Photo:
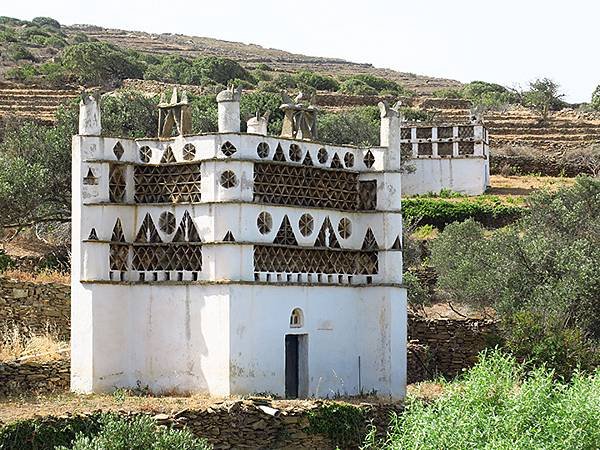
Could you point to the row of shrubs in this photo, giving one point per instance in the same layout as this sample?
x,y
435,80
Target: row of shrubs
x,y
439,212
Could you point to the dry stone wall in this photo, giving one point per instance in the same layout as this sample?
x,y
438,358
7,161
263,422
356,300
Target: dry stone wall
x,y
39,378
446,346
34,307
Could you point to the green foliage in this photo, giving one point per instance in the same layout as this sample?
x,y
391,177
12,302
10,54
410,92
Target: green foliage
x,y
543,96
530,337
359,126
94,63
546,265
35,161
221,70
317,81
448,93
26,72
18,52
201,71
138,433
418,293
364,84
440,212
353,86
47,433
343,423
481,93
105,431
129,114
497,405
6,262
489,94
262,102
46,21
595,103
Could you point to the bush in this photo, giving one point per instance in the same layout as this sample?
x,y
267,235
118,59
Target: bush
x,y
544,266
439,212
529,337
497,405
343,423
138,433
359,126
378,84
129,114
317,81
595,103
94,63
47,433
18,52
221,70
46,21
357,87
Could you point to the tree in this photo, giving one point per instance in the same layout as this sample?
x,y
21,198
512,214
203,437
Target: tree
x,y
543,269
543,96
595,103
96,63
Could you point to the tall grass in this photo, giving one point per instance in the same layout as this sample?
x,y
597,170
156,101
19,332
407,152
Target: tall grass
x,y
19,344
498,405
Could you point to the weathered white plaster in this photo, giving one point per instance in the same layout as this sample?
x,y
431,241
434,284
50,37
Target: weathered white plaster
x,y
220,327
89,116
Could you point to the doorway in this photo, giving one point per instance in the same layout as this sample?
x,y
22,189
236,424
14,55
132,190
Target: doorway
x,y
296,366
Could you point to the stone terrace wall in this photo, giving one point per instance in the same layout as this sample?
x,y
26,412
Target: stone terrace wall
x,y
253,424
34,306
39,378
446,346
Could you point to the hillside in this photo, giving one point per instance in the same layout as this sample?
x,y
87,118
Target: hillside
x,y
248,55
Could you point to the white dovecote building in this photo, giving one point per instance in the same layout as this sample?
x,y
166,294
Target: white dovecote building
x,y
237,263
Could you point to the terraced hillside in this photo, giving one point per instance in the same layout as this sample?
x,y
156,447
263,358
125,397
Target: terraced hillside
x,y
250,55
32,103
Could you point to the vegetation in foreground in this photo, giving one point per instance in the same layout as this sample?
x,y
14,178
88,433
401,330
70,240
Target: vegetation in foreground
x,y
99,431
540,275
498,404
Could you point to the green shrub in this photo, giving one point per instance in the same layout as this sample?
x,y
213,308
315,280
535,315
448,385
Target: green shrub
x,y
448,93
542,269
317,81
532,339
418,293
129,114
497,405
46,21
93,63
138,433
18,52
353,86
6,262
262,102
439,212
343,423
46,433
221,70
26,72
358,126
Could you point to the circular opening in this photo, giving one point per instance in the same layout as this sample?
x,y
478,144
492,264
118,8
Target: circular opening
x,y
306,224
263,150
264,222
228,179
